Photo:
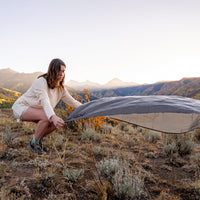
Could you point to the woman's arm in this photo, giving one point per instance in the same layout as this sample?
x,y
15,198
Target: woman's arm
x,y
68,99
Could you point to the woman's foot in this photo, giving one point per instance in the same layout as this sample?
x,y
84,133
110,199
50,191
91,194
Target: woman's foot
x,y
44,148
34,147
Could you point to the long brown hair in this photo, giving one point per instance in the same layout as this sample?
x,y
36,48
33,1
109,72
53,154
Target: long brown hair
x,y
52,74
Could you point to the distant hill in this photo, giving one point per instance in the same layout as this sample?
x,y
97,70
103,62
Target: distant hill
x,y
188,87
13,84
114,83
20,82
17,81
8,97
83,85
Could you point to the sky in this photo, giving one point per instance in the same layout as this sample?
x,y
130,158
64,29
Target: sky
x,y
142,41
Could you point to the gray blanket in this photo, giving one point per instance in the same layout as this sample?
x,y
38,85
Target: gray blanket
x,y
170,114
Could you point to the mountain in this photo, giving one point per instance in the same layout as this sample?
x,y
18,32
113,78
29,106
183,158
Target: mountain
x,y
83,85
188,87
117,83
13,84
114,83
21,81
17,81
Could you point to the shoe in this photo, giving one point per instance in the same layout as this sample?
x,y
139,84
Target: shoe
x,y
35,148
43,147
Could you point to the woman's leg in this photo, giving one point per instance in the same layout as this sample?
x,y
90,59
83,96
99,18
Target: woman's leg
x,y
44,126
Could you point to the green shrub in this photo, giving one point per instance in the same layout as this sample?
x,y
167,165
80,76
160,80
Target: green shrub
x,y
122,126
196,134
170,149
185,147
9,136
153,136
91,135
108,168
126,184
72,175
130,142
107,129
178,144
100,150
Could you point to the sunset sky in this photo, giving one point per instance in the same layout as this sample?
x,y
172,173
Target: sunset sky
x,y
142,41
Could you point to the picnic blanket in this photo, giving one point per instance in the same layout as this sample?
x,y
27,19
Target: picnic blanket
x,y
169,114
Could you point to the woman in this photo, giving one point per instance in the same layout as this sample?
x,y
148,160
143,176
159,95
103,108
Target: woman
x,y
36,105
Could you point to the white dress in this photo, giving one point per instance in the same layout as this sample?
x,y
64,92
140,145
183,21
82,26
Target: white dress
x,y
39,95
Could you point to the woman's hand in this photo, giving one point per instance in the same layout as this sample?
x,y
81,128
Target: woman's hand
x,y
57,121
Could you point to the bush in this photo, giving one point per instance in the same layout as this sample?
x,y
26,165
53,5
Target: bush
x,y
153,136
72,175
196,134
126,184
178,144
108,168
9,136
185,147
170,149
122,126
107,129
91,135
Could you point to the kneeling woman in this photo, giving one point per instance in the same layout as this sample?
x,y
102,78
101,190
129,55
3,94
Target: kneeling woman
x,y
36,105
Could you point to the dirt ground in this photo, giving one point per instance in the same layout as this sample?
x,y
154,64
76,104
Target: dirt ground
x,y
25,175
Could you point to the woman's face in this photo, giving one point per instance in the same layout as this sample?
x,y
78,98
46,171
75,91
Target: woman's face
x,y
61,73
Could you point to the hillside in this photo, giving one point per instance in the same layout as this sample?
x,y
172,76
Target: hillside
x,y
17,81
117,162
101,158
8,97
20,82
188,87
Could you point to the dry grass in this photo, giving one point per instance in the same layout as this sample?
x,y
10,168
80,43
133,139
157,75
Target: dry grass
x,y
71,169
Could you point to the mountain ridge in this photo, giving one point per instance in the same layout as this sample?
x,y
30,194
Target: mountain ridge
x,y
187,86
11,79
114,83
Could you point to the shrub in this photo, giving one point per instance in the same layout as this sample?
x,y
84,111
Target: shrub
x,y
170,149
130,142
122,126
153,136
100,150
178,144
140,129
91,135
126,184
185,147
59,140
108,168
9,136
196,134
4,168
72,175
107,129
